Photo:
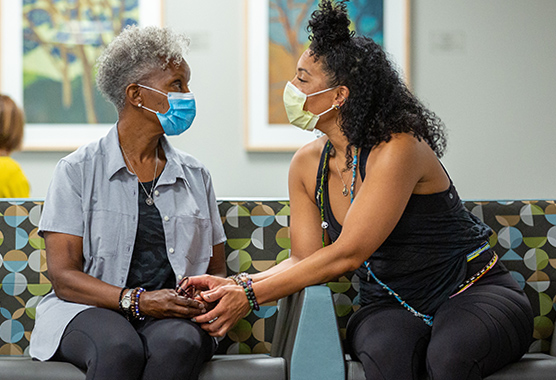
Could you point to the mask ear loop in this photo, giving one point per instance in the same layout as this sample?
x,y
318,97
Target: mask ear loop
x,y
334,106
140,105
152,89
328,110
322,91
147,108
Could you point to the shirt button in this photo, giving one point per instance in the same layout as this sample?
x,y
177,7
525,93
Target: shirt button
x,y
451,196
166,218
156,193
171,250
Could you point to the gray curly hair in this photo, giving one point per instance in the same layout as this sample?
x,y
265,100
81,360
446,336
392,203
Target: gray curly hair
x,y
133,54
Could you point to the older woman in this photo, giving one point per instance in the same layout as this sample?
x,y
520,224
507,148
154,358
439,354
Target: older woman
x,y
124,219
371,195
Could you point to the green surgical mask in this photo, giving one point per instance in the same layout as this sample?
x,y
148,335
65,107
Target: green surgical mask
x,y
294,100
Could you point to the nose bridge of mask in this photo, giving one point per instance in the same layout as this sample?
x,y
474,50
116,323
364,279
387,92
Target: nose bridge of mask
x,y
296,93
181,100
180,95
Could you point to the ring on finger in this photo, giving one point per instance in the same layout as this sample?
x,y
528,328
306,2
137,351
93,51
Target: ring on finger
x,y
213,319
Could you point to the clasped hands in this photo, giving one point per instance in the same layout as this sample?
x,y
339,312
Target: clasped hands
x,y
225,301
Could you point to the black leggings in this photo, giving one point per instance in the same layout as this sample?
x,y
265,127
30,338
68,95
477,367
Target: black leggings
x,y
474,334
104,344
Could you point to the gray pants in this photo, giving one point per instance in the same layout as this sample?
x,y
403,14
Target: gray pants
x,y
107,346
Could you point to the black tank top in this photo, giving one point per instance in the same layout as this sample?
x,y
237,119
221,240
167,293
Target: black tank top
x,y
424,258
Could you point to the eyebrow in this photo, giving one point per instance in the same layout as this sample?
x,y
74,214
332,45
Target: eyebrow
x,y
302,69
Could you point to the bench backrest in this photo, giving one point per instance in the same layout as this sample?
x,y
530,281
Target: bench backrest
x,y
258,237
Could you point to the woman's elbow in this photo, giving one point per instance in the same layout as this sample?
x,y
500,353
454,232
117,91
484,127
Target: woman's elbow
x,y
342,266
61,286
352,264
351,259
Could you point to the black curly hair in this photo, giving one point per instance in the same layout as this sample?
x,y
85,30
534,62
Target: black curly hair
x,y
379,103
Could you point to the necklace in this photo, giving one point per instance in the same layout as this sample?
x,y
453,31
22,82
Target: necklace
x,y
426,318
150,200
320,196
345,191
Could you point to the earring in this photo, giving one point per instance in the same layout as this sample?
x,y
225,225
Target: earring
x,y
336,107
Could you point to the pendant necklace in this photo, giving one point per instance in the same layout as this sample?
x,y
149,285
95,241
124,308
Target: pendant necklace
x,y
149,201
345,191
320,191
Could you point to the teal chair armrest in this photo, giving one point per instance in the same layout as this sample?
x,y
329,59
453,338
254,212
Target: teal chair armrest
x,y
307,335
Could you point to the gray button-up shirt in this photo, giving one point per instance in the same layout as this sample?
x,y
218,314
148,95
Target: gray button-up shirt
x,y
95,196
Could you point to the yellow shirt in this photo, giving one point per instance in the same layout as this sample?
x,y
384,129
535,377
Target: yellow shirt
x,y
13,183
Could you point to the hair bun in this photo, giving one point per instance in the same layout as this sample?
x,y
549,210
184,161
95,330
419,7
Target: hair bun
x,y
329,25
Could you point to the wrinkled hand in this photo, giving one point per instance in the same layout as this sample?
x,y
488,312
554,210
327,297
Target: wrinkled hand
x,y
232,306
166,303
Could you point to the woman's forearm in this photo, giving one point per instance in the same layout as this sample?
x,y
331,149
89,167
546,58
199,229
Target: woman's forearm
x,y
324,265
79,287
282,266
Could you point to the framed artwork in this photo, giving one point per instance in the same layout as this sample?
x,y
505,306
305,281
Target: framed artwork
x,y
276,37
48,51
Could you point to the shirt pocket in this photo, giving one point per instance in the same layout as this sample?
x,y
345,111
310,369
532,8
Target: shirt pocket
x,y
194,239
105,232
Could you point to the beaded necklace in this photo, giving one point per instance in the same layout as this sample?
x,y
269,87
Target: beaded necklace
x,y
324,174
426,318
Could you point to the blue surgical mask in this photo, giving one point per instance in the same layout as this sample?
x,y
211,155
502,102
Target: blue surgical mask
x,y
179,116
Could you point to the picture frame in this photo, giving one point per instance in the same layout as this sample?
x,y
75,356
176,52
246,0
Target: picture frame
x,y
51,136
259,134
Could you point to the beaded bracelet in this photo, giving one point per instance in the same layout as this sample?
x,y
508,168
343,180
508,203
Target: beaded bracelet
x,y
135,303
251,295
247,288
237,277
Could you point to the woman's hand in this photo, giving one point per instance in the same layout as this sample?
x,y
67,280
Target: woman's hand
x,y
232,306
208,282
166,303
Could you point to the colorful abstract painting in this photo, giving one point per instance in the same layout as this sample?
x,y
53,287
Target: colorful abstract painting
x,y
62,40
288,38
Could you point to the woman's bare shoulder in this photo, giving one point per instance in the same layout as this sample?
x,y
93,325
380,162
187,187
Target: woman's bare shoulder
x,y
309,153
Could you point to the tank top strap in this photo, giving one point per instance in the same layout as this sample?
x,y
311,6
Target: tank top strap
x,y
363,156
319,172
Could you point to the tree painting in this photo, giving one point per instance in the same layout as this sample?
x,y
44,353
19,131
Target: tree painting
x,y
288,38
62,40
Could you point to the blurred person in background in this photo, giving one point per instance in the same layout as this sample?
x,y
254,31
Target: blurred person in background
x,y
13,183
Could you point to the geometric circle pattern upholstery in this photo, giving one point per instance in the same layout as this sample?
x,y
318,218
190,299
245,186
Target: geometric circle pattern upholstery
x,y
258,238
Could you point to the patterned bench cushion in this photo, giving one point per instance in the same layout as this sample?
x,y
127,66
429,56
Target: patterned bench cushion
x,y
258,237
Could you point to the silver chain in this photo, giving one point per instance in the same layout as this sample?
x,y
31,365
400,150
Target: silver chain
x,y
150,200
345,190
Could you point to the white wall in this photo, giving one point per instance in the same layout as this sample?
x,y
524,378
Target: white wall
x,y
487,68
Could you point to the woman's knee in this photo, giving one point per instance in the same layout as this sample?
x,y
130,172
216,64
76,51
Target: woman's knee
x,y
178,337
449,362
104,344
